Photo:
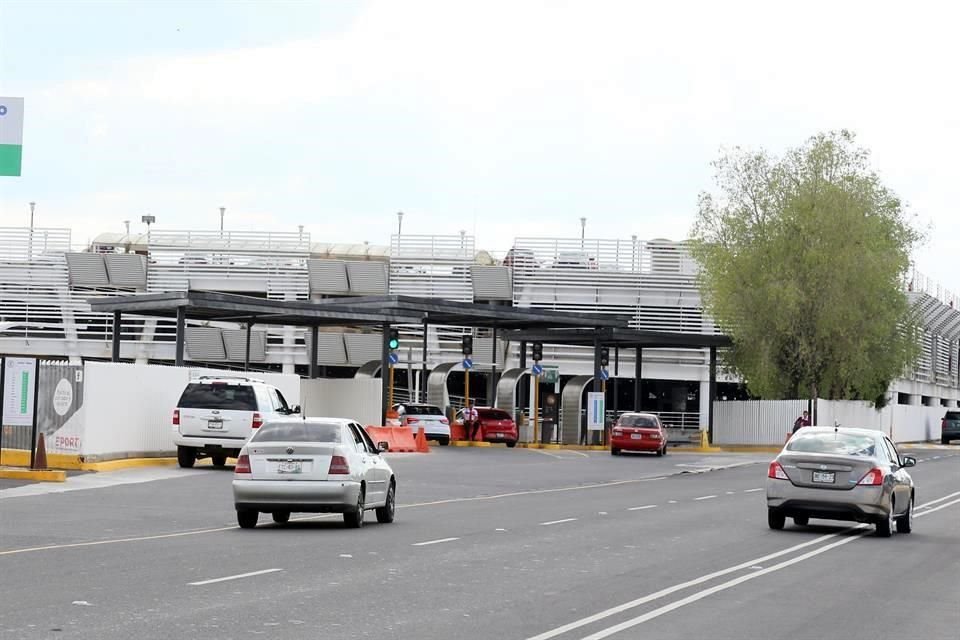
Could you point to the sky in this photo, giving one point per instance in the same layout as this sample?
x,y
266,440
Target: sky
x,y
502,118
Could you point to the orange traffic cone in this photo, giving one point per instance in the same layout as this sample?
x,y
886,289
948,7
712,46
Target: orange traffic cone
x,y
40,459
422,446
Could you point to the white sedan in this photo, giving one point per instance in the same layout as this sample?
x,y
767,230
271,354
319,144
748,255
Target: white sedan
x,y
314,465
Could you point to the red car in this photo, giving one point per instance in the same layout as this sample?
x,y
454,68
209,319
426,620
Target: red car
x,y
496,425
638,432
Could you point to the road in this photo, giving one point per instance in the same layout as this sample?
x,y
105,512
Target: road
x,y
488,543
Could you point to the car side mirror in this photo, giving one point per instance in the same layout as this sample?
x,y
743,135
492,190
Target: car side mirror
x,y
909,461
295,409
383,446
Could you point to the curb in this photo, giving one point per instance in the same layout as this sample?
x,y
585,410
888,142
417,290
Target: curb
x,y
127,463
38,475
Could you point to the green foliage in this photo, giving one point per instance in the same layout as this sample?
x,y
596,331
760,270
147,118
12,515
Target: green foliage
x,y
802,264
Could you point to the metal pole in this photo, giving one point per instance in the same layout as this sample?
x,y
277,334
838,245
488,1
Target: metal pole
x,y
423,375
536,407
246,348
115,339
410,374
181,335
36,397
384,365
3,378
713,392
616,372
222,211
390,388
596,362
492,386
523,400
637,380
314,349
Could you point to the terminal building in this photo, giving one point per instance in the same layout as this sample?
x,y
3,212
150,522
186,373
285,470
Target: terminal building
x,y
46,282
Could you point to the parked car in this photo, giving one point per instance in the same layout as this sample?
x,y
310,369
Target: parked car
x,y
950,427
839,473
496,425
638,432
313,465
215,416
435,424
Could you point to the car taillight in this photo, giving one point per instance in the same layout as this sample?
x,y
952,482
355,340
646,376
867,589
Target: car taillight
x,y
257,421
176,417
655,436
874,478
338,464
618,432
776,472
943,424
412,420
444,421
243,464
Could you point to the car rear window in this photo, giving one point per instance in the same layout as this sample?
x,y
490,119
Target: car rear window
x,y
298,432
213,395
846,444
493,414
638,421
952,415
422,410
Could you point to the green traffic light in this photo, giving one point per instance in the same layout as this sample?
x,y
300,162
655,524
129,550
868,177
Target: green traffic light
x,y
394,343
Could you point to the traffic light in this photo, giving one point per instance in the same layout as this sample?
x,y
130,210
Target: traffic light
x,y
537,351
604,356
394,341
466,345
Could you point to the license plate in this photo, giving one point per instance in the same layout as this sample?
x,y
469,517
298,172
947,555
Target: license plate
x,y
290,466
498,435
214,424
825,477
636,436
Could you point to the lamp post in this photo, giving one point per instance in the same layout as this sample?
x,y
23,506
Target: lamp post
x,y
223,210
399,222
33,205
583,230
148,220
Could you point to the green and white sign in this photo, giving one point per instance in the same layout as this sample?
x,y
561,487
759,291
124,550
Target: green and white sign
x,y
11,136
19,379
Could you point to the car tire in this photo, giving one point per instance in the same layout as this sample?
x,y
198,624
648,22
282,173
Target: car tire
x,y
511,445
944,440
354,518
186,456
281,517
885,525
659,453
614,452
443,441
219,460
905,522
801,521
386,513
775,519
664,449
247,518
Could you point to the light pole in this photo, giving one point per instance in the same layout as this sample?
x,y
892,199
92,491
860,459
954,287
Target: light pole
x,y
126,223
583,230
399,222
223,210
33,205
148,220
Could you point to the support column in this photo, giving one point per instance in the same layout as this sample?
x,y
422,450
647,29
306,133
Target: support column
x,y
713,392
181,335
492,384
616,372
523,399
596,362
424,371
637,382
115,343
384,372
246,346
314,338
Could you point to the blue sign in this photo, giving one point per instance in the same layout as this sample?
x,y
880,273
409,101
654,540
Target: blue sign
x,y
604,375
536,369
393,358
467,363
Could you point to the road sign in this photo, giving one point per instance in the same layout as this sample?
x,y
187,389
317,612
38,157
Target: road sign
x,y
393,358
604,374
596,409
19,380
11,136
551,375
467,363
536,369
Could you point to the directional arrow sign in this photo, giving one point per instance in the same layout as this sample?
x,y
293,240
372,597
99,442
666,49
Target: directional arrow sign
x,y
604,375
467,363
393,358
536,369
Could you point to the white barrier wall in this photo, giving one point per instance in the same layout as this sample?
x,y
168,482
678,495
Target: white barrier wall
x,y
128,407
355,398
754,421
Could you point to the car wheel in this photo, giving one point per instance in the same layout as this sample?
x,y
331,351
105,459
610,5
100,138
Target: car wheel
x,y
443,441
511,445
614,452
775,519
281,517
186,456
944,440
659,452
386,513
219,460
247,518
885,524
801,521
905,522
354,518
664,449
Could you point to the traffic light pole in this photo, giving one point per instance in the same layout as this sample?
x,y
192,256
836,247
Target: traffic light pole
x,y
536,407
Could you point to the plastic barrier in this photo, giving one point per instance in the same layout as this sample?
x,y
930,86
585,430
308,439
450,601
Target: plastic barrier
x,y
400,439
457,432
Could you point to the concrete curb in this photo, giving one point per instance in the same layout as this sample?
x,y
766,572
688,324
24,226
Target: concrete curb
x,y
36,475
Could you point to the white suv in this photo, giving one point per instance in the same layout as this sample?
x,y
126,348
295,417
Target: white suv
x,y
217,415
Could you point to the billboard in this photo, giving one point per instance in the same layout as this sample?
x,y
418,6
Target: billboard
x,y
11,136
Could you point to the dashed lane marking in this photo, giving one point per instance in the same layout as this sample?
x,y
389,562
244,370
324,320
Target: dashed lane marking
x,y
236,577
705,498
552,522
429,542
646,506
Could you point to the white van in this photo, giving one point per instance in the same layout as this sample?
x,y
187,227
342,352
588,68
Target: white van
x,y
216,415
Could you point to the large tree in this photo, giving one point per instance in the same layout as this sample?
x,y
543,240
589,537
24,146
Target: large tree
x,y
803,260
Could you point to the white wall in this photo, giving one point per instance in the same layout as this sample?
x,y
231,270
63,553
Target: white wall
x,y
354,398
764,422
128,407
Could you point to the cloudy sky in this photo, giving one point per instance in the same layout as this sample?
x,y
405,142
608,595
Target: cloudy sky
x,y
505,119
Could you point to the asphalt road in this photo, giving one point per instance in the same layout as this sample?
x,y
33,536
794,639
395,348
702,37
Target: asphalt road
x,y
488,543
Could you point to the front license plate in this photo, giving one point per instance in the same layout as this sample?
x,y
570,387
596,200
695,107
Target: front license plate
x,y
214,424
291,466
824,477
636,436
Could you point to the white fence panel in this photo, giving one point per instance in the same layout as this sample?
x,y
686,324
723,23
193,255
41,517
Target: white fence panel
x,y
850,413
354,398
912,423
759,422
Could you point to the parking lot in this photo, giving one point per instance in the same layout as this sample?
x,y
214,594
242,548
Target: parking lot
x,y
487,543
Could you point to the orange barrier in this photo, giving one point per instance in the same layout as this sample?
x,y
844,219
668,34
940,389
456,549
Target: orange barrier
x,y
457,431
422,446
400,439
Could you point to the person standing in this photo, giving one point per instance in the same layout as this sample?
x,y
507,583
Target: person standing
x,y
802,421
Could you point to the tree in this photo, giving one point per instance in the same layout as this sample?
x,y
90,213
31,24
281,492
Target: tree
x,y
803,260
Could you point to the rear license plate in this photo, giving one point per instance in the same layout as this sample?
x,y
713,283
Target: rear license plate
x,y
289,466
498,435
636,436
214,424
824,477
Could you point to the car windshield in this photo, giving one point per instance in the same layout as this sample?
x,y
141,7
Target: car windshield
x,y
421,410
218,395
846,444
638,421
493,414
298,432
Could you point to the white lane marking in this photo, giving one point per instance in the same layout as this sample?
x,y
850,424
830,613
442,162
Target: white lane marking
x,y
236,577
552,522
546,453
705,498
730,493
553,633
95,543
752,490
646,506
944,505
700,595
933,502
429,542
671,502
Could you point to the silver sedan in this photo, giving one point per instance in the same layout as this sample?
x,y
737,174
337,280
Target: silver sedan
x,y
314,465
840,473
